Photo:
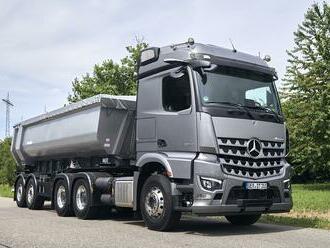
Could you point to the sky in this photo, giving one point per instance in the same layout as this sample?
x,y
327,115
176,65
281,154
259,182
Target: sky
x,y
44,45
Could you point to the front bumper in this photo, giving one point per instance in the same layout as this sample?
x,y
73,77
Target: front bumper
x,y
206,208
222,202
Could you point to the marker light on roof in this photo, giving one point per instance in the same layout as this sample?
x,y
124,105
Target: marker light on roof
x,y
149,55
267,58
191,41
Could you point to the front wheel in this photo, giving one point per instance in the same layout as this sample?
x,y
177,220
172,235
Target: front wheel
x,y
156,204
243,220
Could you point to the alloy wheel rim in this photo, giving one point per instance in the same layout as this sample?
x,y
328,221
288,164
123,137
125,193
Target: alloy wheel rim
x,y
30,194
81,197
154,203
61,196
19,192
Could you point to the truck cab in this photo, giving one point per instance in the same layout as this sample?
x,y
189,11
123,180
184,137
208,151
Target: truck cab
x,y
213,119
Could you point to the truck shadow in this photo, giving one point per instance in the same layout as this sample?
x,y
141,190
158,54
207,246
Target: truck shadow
x,y
214,227
206,226
192,225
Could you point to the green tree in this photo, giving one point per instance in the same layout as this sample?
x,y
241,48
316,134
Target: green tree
x,y
7,163
109,77
307,95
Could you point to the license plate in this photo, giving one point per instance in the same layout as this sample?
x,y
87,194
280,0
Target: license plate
x,y
261,186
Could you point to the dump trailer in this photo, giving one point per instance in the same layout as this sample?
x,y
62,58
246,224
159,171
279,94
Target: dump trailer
x,y
205,135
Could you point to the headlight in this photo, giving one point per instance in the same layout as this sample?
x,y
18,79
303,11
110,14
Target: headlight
x,y
210,184
208,157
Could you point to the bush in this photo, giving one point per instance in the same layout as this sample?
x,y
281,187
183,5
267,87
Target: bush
x,y
7,163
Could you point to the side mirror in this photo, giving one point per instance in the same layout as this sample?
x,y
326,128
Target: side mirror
x,y
175,61
197,65
178,73
202,73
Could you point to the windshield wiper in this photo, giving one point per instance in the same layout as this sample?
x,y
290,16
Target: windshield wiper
x,y
237,105
228,103
267,110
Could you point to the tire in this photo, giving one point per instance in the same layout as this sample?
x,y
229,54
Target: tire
x,y
62,199
82,200
156,204
20,193
33,200
243,220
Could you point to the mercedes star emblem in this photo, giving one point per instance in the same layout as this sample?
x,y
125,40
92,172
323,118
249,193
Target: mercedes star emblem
x,y
254,148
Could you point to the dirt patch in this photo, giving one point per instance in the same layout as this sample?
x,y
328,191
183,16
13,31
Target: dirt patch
x,y
307,214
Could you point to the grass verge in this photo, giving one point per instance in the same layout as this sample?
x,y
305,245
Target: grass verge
x,y
5,190
296,221
311,207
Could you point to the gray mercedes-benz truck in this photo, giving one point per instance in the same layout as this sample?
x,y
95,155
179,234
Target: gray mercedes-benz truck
x,y
205,135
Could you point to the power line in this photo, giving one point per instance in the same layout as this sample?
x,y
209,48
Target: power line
x,y
8,105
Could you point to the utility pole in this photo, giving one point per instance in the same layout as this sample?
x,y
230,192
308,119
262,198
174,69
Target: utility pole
x,y
8,105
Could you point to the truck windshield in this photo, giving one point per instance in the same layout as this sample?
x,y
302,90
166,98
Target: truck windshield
x,y
235,87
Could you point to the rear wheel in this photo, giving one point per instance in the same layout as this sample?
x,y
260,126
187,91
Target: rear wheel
x,y
20,193
62,199
156,204
82,200
243,220
33,200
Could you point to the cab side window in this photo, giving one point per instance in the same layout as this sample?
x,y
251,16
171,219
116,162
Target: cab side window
x,y
176,93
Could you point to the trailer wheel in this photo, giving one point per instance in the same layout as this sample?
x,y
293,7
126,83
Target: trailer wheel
x,y
82,200
62,199
243,220
156,204
33,200
20,193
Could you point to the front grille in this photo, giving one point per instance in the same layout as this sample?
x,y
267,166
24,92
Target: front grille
x,y
239,193
236,161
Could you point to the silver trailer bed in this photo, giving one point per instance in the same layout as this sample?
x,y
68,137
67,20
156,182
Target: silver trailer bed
x,y
102,125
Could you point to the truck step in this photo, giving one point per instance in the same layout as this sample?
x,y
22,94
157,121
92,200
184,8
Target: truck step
x,y
185,187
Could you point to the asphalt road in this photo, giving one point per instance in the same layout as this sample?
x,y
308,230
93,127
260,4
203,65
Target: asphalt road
x,y
43,228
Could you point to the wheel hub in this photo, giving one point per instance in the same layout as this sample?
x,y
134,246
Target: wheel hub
x,y
154,203
61,196
19,192
81,197
30,194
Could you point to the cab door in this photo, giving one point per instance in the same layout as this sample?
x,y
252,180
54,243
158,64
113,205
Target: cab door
x,y
166,119
176,121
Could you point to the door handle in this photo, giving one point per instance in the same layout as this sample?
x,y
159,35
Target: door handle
x,y
161,143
